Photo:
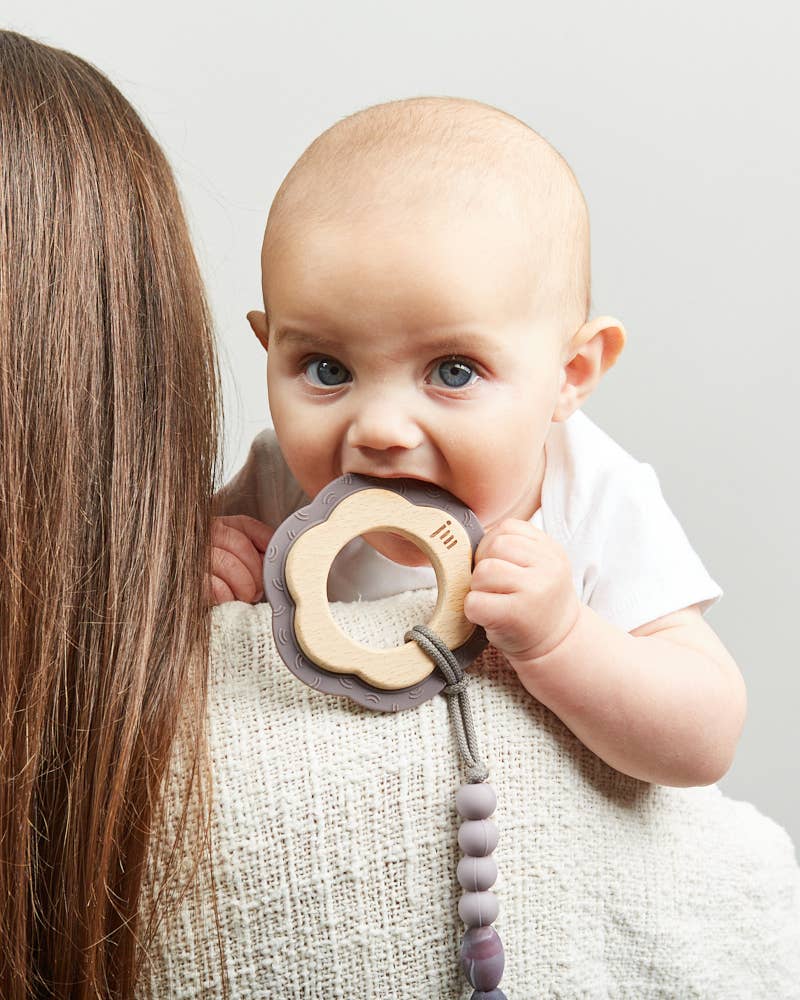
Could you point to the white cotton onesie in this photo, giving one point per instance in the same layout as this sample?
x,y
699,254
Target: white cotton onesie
x,y
631,561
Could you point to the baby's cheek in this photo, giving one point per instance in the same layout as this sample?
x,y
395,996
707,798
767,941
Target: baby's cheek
x,y
485,477
305,458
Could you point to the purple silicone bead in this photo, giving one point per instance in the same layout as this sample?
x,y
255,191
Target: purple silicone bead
x,y
476,874
491,995
482,957
476,801
478,909
477,837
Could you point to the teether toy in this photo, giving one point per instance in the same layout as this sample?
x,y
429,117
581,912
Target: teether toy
x,y
433,658
296,572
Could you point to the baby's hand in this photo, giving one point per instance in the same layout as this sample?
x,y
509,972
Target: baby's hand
x,y
237,557
521,591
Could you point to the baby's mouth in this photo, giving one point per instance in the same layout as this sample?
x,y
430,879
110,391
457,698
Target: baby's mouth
x,y
373,474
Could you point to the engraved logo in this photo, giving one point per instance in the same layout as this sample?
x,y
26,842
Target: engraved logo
x,y
445,537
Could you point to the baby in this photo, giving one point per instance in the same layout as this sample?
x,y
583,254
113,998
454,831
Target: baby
x,y
426,291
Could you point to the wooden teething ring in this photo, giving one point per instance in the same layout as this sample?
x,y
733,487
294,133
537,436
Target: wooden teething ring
x,y
296,569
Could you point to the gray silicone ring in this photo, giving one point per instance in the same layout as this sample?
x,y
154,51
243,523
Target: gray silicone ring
x,y
283,606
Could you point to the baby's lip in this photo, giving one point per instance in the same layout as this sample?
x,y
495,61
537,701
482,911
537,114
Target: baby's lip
x,y
392,475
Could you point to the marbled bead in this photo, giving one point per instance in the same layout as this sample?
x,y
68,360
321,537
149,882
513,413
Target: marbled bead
x,y
477,837
476,874
478,909
491,995
482,957
476,801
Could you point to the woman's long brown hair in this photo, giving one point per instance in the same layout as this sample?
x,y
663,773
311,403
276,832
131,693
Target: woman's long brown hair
x,y
108,451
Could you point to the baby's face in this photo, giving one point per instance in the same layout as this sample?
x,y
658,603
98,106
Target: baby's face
x,y
412,352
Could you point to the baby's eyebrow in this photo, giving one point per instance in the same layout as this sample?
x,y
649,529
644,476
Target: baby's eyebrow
x,y
467,342
460,343
292,335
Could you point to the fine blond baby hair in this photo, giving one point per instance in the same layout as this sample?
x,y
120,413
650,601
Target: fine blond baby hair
x,y
413,153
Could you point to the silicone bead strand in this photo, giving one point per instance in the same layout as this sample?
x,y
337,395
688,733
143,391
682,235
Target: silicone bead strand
x,y
482,956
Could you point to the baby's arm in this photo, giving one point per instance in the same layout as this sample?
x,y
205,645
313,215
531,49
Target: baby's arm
x,y
665,703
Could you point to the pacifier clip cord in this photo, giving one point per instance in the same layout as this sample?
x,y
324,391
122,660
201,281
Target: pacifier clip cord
x,y
482,956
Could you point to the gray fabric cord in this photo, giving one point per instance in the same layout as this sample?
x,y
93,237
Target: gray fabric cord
x,y
458,699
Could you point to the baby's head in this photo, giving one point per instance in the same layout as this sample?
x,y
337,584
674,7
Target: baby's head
x,y
426,288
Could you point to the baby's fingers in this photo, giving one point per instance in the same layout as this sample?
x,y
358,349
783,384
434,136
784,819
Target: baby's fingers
x,y
239,577
498,615
258,532
498,577
491,610
218,592
227,535
515,542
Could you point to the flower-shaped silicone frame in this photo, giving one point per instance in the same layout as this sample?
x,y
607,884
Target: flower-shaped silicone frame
x,y
295,580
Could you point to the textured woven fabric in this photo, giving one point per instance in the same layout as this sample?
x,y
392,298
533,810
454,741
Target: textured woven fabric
x,y
335,850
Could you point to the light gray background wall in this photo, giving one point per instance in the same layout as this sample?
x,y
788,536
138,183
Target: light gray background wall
x,y
680,121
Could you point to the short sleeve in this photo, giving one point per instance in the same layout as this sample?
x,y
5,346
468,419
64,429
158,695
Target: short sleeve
x,y
639,563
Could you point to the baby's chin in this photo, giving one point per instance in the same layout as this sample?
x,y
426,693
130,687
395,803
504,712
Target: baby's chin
x,y
396,548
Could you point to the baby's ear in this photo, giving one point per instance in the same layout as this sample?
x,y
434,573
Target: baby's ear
x,y
590,353
258,322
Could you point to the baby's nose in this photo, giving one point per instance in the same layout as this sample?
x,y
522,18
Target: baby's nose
x,y
382,424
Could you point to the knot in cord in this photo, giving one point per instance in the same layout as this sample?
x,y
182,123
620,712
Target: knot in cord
x,y
457,697
456,688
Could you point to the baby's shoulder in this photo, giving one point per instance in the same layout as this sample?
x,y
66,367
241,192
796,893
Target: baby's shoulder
x,y
591,452
264,448
590,476
264,486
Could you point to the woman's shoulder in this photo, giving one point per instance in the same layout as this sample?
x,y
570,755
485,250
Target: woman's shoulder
x,y
313,792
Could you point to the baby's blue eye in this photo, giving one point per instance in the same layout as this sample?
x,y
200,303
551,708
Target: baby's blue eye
x,y
327,372
454,373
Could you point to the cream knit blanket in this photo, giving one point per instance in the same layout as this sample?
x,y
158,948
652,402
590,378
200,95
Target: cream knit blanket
x,y
335,850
